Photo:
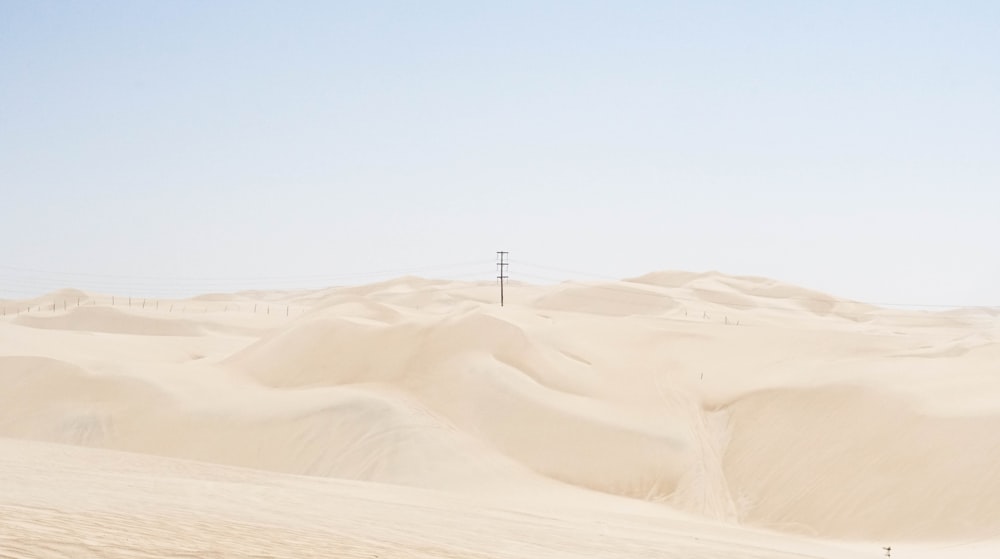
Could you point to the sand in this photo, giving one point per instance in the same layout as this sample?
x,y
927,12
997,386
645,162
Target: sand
x,y
670,415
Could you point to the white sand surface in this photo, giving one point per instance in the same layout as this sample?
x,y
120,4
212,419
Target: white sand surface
x,y
671,415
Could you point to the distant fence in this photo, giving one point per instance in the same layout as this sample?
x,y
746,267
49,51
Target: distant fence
x,y
14,308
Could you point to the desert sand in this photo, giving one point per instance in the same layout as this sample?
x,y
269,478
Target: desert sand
x,y
670,415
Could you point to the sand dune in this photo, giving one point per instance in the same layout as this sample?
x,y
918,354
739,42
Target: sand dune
x,y
698,403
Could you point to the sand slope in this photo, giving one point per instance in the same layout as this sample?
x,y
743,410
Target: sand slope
x,y
694,401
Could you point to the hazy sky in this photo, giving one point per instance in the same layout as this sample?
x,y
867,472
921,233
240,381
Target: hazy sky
x,y
852,147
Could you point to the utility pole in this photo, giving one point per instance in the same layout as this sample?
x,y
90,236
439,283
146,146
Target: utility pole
x,y
502,269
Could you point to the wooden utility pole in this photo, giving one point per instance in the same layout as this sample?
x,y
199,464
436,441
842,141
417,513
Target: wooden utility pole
x,y
502,269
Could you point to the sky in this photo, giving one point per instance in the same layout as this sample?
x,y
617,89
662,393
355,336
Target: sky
x,y
169,148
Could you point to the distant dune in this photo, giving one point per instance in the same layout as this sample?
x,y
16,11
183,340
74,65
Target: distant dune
x,y
724,416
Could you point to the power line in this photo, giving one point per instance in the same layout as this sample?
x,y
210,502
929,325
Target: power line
x,y
794,298
53,279
457,286
655,292
167,287
25,281
243,278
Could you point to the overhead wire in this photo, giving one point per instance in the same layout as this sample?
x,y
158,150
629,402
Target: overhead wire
x,y
793,298
639,289
240,278
30,282
179,287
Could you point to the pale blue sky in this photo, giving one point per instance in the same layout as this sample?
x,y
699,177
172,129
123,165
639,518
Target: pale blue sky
x,y
162,147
